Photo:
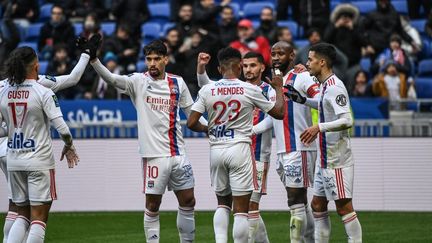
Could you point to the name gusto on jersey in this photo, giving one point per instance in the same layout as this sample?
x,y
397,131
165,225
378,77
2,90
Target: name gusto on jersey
x,y
228,91
222,132
19,142
18,94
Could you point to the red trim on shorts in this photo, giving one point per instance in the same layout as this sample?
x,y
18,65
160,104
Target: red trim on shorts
x,y
53,190
254,170
304,169
144,163
39,223
339,183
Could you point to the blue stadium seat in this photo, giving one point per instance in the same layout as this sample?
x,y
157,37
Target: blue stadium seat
x,y
426,51
423,87
401,6
141,66
252,11
166,27
33,45
365,64
236,9
160,12
301,43
150,31
425,68
365,6
33,32
108,28
43,66
292,25
419,25
78,28
45,12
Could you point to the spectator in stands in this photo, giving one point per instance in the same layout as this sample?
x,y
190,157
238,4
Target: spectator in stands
x,y
61,63
57,30
77,10
175,6
394,53
268,26
25,11
428,25
9,34
206,12
282,9
391,83
380,24
173,42
284,34
415,35
339,67
124,47
133,13
314,14
227,26
184,23
91,26
102,90
362,88
249,41
345,34
415,5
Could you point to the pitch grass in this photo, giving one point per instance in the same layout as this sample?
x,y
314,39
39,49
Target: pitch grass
x,y
108,227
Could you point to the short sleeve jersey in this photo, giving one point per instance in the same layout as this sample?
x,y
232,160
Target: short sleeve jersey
x,y
297,116
27,109
230,104
158,103
334,147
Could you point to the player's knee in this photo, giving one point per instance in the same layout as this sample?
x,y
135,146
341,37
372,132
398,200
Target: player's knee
x,y
152,206
189,202
318,205
296,196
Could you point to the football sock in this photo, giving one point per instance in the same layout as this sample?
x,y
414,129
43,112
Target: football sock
x,y
322,227
221,223
261,236
37,232
253,217
241,228
297,223
352,227
186,224
18,230
310,228
151,226
10,219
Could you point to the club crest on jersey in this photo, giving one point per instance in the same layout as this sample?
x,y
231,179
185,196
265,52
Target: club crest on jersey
x,y
150,184
56,102
18,142
174,90
51,78
341,100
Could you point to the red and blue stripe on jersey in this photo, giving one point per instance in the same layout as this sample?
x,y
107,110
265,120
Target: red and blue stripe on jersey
x,y
172,132
258,117
322,135
288,121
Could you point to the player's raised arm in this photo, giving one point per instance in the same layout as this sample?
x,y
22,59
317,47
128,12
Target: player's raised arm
x,y
202,77
295,96
278,110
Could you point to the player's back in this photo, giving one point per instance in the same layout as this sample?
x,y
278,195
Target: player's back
x,y
25,109
230,104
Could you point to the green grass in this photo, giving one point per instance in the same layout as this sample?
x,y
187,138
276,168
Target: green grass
x,y
128,227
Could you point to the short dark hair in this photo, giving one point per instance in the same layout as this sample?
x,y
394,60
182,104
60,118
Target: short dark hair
x,y
57,6
227,54
16,66
256,55
227,7
157,47
269,8
326,51
311,31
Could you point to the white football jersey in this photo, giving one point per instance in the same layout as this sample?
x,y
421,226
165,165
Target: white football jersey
x,y
230,104
297,116
261,143
157,103
27,110
334,147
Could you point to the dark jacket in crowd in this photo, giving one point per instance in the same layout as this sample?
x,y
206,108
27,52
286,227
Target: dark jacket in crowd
x,y
314,13
23,7
207,18
52,34
118,46
132,12
80,8
228,33
9,38
269,31
380,25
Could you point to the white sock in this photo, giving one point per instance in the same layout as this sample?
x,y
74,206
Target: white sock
x,y
253,217
297,223
261,236
352,227
322,227
18,230
221,223
310,226
151,226
241,228
37,232
10,219
186,224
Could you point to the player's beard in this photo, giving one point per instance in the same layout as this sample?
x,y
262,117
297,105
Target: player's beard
x,y
251,77
154,73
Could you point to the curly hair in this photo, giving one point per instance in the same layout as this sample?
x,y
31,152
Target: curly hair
x,y
16,66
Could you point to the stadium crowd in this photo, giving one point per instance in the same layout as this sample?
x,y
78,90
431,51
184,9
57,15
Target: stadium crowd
x,y
383,45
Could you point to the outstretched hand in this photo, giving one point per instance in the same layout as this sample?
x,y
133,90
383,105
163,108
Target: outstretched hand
x,y
277,80
71,155
294,95
94,44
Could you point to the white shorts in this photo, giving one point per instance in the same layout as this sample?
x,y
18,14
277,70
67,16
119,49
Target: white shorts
x,y
262,172
232,170
334,184
296,169
3,166
160,172
32,187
